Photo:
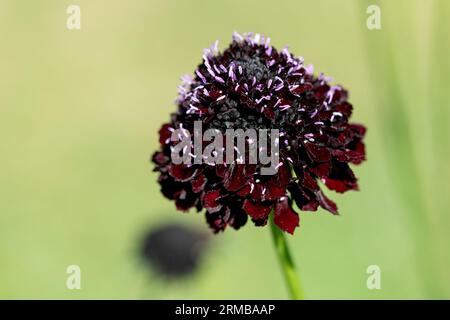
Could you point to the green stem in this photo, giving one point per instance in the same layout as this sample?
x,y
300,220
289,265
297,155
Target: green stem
x,y
287,264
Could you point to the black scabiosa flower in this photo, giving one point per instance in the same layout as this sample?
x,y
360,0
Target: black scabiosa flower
x,y
251,85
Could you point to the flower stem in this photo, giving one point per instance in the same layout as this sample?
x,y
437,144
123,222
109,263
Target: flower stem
x,y
287,264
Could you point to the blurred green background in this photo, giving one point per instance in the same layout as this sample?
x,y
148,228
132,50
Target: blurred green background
x,y
80,110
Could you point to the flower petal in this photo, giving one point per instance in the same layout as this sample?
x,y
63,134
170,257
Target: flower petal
x,y
326,203
216,221
238,219
256,211
181,172
285,217
304,199
186,200
317,153
341,178
160,159
234,178
198,183
210,201
164,134
276,186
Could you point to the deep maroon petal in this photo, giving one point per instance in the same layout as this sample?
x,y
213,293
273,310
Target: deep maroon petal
x,y
169,187
317,153
358,129
298,90
210,201
256,211
359,153
238,218
340,186
245,190
309,182
276,186
165,134
345,108
353,156
312,205
181,172
160,159
341,178
216,221
326,203
198,183
321,169
258,191
221,170
304,199
186,200
234,178
285,217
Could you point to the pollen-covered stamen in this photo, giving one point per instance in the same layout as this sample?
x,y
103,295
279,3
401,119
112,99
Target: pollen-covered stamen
x,y
201,76
231,73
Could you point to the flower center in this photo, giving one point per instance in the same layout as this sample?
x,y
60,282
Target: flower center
x,y
254,67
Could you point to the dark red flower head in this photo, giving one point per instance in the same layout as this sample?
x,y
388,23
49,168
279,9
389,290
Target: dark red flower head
x,y
251,85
